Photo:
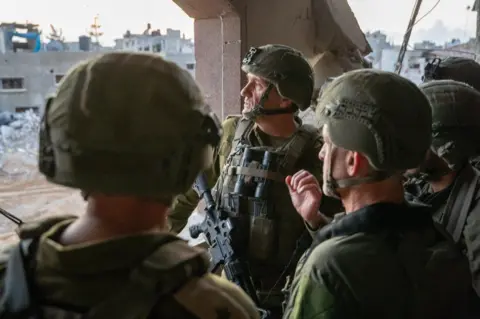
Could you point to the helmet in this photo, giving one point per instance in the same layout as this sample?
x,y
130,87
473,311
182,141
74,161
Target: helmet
x,y
454,68
379,114
127,124
286,69
456,120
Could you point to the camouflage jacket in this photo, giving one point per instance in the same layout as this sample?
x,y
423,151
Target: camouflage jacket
x,y
72,280
372,263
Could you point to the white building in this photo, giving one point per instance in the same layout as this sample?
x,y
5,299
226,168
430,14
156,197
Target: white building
x,y
172,46
378,42
414,63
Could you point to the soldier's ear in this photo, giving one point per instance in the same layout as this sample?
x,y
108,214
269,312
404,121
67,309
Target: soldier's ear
x,y
356,163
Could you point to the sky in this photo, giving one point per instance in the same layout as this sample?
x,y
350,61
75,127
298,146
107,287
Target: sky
x,y
449,19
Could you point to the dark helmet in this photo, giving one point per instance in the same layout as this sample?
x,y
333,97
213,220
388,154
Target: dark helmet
x,y
286,69
456,120
454,68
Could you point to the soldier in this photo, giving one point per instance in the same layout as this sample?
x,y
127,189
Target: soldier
x,y
127,129
458,69
279,83
452,184
383,258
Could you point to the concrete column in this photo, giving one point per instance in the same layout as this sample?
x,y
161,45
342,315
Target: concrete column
x,y
327,34
217,53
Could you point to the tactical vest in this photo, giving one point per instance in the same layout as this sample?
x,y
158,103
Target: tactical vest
x,y
252,189
162,273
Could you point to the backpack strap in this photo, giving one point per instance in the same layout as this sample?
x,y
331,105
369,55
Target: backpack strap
x,y
162,273
459,202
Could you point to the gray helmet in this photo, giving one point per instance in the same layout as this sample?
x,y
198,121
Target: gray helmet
x,y
286,69
456,120
379,114
454,68
127,124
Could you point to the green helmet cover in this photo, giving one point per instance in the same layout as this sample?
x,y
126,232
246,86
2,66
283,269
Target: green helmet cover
x,y
127,123
286,68
380,114
455,120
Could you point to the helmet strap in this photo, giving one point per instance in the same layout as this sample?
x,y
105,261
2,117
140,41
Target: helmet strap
x,y
260,110
334,184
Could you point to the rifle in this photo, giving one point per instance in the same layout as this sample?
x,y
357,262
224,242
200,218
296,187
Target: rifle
x,y
217,228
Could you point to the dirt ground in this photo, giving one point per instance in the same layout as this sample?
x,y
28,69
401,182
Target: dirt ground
x,y
25,193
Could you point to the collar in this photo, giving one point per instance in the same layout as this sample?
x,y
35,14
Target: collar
x,y
377,218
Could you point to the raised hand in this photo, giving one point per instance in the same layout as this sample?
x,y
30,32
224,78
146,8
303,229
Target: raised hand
x,y
306,195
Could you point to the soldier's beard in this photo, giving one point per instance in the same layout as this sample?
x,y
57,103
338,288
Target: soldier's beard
x,y
431,170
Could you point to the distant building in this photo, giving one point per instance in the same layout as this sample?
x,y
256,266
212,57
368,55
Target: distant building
x,y
466,50
414,63
378,42
426,45
172,46
17,37
85,44
30,69
26,78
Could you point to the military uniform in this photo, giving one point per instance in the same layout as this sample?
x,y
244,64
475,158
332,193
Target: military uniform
x,y
384,260
121,124
456,128
273,235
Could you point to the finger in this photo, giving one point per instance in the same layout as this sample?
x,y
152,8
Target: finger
x,y
310,179
288,181
297,177
310,187
300,178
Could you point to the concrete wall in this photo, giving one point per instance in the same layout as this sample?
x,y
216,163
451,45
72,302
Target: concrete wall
x,y
39,71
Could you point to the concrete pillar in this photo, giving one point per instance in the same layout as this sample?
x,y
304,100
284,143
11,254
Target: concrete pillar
x,y
327,34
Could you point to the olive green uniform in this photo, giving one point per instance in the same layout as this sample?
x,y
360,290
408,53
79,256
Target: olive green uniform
x,y
121,124
385,260
186,203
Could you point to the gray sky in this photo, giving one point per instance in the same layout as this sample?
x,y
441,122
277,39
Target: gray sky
x,y
449,19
